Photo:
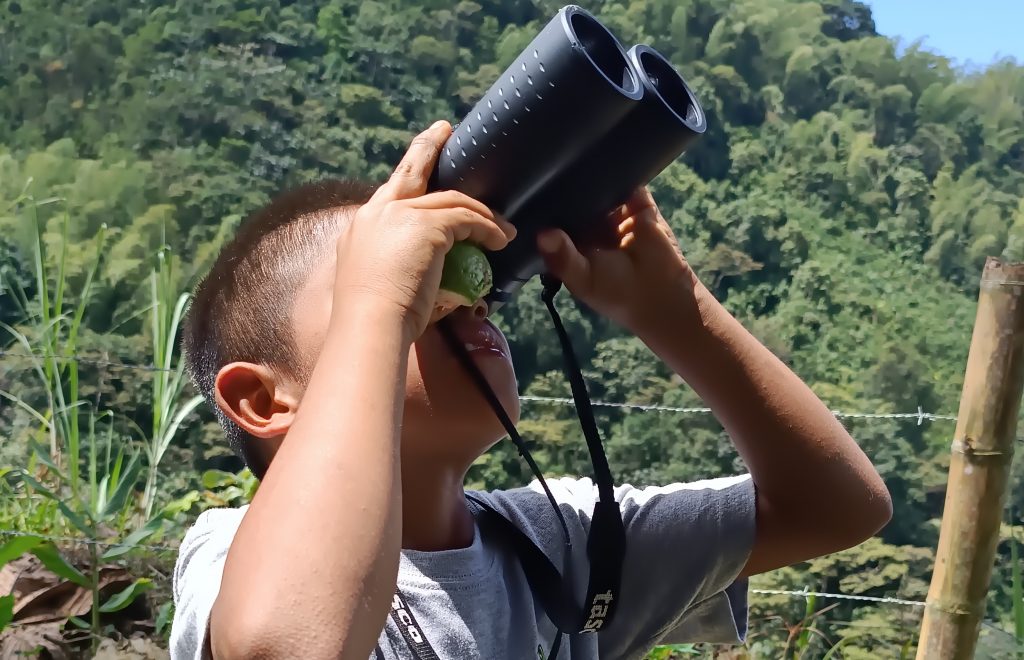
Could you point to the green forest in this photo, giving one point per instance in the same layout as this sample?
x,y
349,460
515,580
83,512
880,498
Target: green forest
x,y
841,204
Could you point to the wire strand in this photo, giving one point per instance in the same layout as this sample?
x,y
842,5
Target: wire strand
x,y
803,593
881,600
84,360
920,415
7,533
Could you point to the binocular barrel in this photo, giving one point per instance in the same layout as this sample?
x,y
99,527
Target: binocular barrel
x,y
567,132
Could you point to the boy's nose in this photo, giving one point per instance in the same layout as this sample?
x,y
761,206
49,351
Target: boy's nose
x,y
479,309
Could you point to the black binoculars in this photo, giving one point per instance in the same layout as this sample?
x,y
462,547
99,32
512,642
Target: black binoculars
x,y
564,136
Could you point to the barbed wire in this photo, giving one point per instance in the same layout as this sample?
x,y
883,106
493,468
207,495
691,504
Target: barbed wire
x,y
84,360
874,626
881,600
804,593
8,533
992,626
920,415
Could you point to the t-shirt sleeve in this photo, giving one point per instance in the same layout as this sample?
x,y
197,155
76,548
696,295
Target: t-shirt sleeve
x,y
685,547
196,582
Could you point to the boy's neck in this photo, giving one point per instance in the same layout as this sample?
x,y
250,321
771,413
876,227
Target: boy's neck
x,y
435,515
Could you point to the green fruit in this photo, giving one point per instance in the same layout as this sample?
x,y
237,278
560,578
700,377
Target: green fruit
x,y
466,277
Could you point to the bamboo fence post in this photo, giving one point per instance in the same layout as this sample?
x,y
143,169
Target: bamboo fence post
x,y
982,450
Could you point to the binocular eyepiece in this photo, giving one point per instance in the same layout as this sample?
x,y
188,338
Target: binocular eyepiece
x,y
566,133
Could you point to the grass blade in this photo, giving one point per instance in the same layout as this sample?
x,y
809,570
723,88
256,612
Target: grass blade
x,y
6,610
127,596
16,400
164,617
74,518
1017,589
41,456
133,539
18,546
172,428
58,295
123,488
53,560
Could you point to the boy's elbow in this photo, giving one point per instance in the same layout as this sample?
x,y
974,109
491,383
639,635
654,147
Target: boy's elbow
x,y
879,506
237,635
866,514
248,632
257,630
856,511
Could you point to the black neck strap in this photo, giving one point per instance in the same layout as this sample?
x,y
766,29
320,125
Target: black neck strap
x,y
606,542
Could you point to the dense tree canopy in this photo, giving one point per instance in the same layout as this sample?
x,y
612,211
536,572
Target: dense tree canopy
x,y
841,204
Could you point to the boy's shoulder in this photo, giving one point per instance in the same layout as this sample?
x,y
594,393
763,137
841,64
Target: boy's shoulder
x,y
214,522
527,506
693,509
581,493
573,494
208,539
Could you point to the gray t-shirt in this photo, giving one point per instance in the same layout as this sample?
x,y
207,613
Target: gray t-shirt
x,y
685,546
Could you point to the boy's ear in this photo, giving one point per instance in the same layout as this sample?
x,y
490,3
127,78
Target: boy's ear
x,y
256,398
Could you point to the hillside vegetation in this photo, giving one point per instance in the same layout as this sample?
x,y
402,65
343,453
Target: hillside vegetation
x,y
841,204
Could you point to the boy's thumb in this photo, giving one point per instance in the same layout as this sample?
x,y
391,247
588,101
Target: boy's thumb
x,y
563,260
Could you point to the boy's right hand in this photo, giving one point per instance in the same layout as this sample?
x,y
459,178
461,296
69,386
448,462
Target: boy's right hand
x,y
393,251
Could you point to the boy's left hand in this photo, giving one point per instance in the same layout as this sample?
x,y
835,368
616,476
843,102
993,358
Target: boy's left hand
x,y
630,274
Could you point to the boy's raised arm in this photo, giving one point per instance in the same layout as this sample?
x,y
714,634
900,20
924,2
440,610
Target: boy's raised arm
x,y
816,490
313,566
314,562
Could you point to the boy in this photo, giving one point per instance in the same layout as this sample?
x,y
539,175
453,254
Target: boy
x,y
325,299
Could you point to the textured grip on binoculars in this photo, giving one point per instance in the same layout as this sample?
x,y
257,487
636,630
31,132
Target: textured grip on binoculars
x,y
565,90
568,87
654,133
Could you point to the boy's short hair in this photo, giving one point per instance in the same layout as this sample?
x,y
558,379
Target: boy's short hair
x,y
241,310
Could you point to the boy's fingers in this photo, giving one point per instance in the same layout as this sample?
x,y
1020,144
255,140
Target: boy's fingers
x,y
454,199
640,203
563,260
413,172
642,197
446,199
468,225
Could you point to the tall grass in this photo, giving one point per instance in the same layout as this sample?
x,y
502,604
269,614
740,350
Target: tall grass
x,y
55,324
1017,590
71,435
169,411
105,503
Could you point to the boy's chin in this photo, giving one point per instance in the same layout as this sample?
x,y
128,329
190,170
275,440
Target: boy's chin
x,y
470,415
461,424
